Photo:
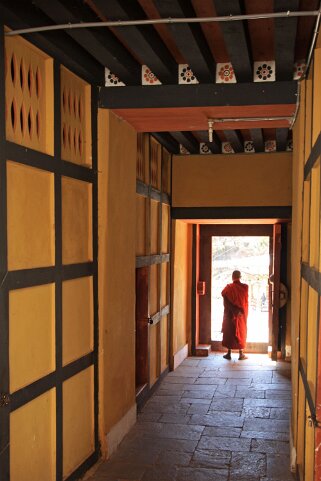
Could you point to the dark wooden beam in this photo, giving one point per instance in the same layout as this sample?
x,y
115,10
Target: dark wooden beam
x,y
241,212
103,46
281,138
188,141
215,146
59,45
235,139
236,40
285,36
165,139
258,139
269,93
189,38
143,41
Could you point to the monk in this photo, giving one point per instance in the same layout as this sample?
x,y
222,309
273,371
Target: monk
x,y
235,296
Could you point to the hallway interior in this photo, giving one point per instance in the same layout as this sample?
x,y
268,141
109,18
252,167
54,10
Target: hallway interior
x,y
211,420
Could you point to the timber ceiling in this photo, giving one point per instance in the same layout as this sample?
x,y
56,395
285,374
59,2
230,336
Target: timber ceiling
x,y
169,79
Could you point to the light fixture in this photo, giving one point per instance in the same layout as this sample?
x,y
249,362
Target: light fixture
x,y
210,129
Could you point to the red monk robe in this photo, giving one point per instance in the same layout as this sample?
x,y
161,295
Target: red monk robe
x,y
234,326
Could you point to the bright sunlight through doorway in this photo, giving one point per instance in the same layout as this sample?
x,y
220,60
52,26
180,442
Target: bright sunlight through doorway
x,y
250,255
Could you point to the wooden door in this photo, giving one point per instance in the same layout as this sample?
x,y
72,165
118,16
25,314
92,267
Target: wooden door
x,y
275,298
141,326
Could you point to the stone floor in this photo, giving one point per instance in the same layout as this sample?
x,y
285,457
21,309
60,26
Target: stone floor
x,y
211,420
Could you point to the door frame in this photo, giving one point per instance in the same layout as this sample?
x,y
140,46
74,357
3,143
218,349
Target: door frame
x,y
202,315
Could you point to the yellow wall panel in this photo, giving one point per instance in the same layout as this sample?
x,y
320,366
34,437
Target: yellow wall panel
x,y
164,343
140,225
306,221
30,195
308,116
312,341
165,228
154,206
29,95
303,318
78,419
315,217
202,180
301,429
165,284
316,95
153,353
76,221
33,440
155,163
309,449
77,318
75,119
154,290
31,334
166,172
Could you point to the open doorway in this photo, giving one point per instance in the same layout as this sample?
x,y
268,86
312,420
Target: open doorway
x,y
250,255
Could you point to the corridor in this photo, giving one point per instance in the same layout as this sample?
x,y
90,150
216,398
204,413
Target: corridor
x,y
211,420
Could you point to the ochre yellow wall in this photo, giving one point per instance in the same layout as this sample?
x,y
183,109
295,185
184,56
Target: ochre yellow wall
x,y
181,284
117,229
232,180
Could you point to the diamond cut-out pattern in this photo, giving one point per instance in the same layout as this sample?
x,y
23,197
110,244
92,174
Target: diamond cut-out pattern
x,y
29,95
75,119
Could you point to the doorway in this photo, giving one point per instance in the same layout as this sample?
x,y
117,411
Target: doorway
x,y
250,255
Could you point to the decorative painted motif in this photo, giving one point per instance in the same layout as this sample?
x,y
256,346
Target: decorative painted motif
x,y
186,75
225,73
148,77
264,71
289,146
270,146
299,69
227,148
204,148
183,150
249,146
111,80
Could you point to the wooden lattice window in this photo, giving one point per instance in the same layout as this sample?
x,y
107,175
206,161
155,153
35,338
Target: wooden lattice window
x,y
75,119
140,161
155,162
29,95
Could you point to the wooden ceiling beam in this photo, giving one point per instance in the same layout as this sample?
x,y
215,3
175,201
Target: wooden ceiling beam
x,y
104,47
285,37
235,139
187,140
236,40
204,95
258,139
215,146
143,41
56,44
167,141
189,38
281,138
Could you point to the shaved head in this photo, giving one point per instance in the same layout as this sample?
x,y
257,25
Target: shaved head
x,y
236,275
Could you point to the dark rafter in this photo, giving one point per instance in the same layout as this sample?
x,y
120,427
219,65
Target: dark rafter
x,y
235,139
281,138
285,35
267,93
215,146
167,141
104,47
143,41
188,141
189,38
258,139
236,40
56,44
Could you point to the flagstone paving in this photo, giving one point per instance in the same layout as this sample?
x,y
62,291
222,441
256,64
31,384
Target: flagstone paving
x,y
210,420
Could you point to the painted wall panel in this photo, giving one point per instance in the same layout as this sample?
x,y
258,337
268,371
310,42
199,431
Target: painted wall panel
x,y
154,232
76,221
78,419
33,440
164,342
165,228
140,225
154,289
165,284
31,334
232,180
77,318
31,223
153,332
